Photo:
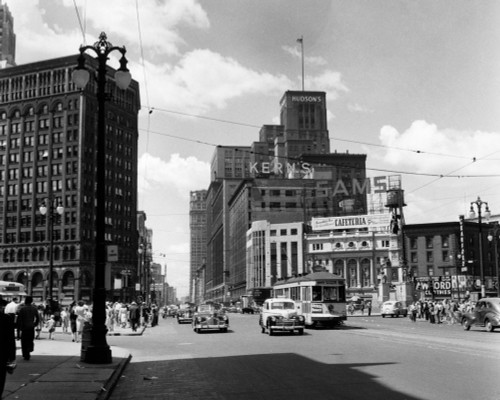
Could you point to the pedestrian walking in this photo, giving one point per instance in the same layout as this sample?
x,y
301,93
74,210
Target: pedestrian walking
x,y
72,321
80,319
369,307
11,309
41,322
27,320
51,326
134,316
65,319
7,345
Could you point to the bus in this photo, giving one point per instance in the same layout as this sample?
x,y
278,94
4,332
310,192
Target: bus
x,y
9,290
319,296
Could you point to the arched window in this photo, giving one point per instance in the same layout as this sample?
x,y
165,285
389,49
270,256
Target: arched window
x,y
68,279
338,268
65,253
8,277
352,271
365,272
37,280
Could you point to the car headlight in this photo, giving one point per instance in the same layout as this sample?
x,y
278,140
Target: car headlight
x,y
273,319
301,318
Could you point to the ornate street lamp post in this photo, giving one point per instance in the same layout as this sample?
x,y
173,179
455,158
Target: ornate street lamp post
x,y
98,352
51,214
494,236
479,204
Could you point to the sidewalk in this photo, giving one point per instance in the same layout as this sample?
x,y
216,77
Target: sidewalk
x,y
55,370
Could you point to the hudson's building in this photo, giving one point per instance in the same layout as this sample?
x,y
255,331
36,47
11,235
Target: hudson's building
x,y
286,177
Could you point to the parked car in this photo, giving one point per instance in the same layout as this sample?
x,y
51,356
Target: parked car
x,y
486,313
208,317
184,316
280,314
393,308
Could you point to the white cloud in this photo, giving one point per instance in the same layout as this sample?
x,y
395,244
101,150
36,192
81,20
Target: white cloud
x,y
159,26
308,60
203,79
358,108
444,150
328,81
181,174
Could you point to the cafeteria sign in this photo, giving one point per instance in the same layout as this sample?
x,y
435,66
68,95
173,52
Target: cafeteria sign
x,y
372,221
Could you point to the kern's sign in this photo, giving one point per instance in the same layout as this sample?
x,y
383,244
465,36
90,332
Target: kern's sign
x,y
371,222
279,168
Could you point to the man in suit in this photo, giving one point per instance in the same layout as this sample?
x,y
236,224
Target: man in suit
x,y
7,343
27,320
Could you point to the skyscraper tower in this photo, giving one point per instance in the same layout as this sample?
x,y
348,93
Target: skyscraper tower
x,y
7,38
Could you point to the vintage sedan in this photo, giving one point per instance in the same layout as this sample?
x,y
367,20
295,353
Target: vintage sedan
x,y
279,314
393,308
185,316
486,313
209,318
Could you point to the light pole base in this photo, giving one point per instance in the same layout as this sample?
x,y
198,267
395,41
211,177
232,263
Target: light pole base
x,y
97,355
95,349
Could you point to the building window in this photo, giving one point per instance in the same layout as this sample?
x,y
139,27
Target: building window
x,y
273,232
429,242
445,241
293,232
413,257
446,255
282,232
430,270
413,243
430,256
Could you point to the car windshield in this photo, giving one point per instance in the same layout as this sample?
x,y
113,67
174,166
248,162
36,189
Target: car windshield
x,y
283,305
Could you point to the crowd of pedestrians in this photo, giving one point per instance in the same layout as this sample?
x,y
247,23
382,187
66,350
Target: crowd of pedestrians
x,y
439,311
130,315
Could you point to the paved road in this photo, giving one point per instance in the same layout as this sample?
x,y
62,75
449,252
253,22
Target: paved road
x,y
370,358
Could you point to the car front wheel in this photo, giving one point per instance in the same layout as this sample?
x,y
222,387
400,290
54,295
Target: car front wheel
x,y
465,324
489,326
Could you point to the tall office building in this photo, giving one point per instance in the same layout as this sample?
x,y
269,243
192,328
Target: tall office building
x,y
198,238
7,37
48,147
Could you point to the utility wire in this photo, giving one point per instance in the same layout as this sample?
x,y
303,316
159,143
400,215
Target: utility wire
x,y
79,22
300,159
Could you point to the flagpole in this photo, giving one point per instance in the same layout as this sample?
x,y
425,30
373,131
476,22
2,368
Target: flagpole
x,y
301,41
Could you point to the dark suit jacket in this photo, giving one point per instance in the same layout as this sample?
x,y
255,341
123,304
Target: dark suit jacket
x,y
7,339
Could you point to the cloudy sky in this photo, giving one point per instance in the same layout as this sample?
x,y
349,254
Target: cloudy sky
x,y
415,85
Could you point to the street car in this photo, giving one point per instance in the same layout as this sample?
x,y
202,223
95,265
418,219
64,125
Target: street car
x,y
209,318
393,308
486,313
280,314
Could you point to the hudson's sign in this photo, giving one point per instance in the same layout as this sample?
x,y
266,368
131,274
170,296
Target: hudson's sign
x,y
307,99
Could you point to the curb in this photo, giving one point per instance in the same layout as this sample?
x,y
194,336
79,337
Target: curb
x,y
110,384
141,331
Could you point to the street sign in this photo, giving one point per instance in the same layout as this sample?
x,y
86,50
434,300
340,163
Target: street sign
x,y
112,253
